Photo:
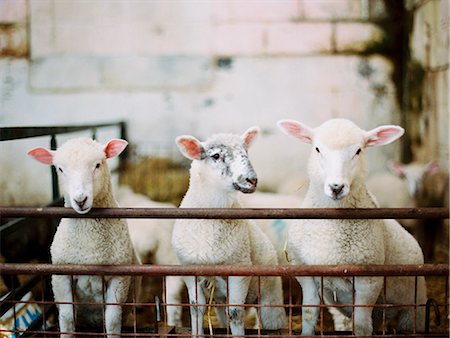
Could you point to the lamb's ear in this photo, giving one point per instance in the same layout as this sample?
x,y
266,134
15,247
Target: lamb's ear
x,y
190,147
383,135
114,147
297,130
396,168
42,155
249,136
433,167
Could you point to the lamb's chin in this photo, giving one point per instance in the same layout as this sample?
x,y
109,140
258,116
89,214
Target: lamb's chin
x,y
82,211
245,190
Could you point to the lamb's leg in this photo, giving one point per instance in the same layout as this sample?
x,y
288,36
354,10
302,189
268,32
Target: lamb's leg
x,y
406,315
62,290
196,296
238,290
341,321
174,287
221,316
117,290
272,318
310,297
367,291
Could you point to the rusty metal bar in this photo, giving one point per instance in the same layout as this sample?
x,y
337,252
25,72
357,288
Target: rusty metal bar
x,y
218,213
229,270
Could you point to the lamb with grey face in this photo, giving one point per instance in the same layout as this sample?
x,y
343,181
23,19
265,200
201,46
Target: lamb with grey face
x,y
220,170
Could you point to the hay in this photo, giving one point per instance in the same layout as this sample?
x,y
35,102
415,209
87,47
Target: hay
x,y
159,178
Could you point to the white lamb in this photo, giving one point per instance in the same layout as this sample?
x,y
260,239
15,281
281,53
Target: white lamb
x,y
152,241
337,170
220,168
417,184
275,229
381,184
85,179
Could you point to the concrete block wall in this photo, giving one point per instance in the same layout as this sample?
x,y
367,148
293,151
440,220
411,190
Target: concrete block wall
x,y
428,85
200,67
13,28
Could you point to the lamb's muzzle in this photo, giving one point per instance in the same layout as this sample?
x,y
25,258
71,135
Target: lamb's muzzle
x,y
337,191
246,184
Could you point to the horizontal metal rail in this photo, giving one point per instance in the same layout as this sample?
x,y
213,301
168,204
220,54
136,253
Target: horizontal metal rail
x,y
218,213
229,270
15,133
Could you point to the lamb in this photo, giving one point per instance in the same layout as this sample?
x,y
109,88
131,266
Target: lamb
x,y
417,185
428,187
275,229
337,168
381,184
85,179
152,241
220,168
427,182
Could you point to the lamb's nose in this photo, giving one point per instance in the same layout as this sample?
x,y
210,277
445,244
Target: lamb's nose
x,y
336,188
81,203
252,181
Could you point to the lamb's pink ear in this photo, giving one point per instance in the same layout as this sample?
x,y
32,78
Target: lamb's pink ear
x,y
42,155
297,130
114,147
190,147
249,136
396,168
433,168
383,135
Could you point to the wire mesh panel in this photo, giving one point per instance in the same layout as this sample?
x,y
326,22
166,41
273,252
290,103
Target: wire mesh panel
x,y
30,310
148,318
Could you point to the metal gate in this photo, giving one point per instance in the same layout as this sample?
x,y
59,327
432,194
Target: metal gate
x,y
29,310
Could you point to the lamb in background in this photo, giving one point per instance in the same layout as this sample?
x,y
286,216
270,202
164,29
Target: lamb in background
x,y
220,169
428,186
275,229
337,169
381,184
85,179
152,241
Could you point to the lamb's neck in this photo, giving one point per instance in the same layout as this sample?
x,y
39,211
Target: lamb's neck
x,y
358,197
106,200
202,195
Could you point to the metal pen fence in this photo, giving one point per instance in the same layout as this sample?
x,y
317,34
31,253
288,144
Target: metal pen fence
x,y
156,310
30,310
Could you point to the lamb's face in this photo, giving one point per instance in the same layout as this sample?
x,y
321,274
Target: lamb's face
x,y
414,174
80,171
229,164
222,160
337,158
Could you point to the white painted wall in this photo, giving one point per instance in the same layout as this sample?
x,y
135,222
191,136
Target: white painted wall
x,y
156,65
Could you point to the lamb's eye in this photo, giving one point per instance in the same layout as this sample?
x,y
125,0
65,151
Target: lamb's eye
x,y
318,151
216,156
358,151
60,170
97,165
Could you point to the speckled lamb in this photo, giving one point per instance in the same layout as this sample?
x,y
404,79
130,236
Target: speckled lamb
x,y
220,168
